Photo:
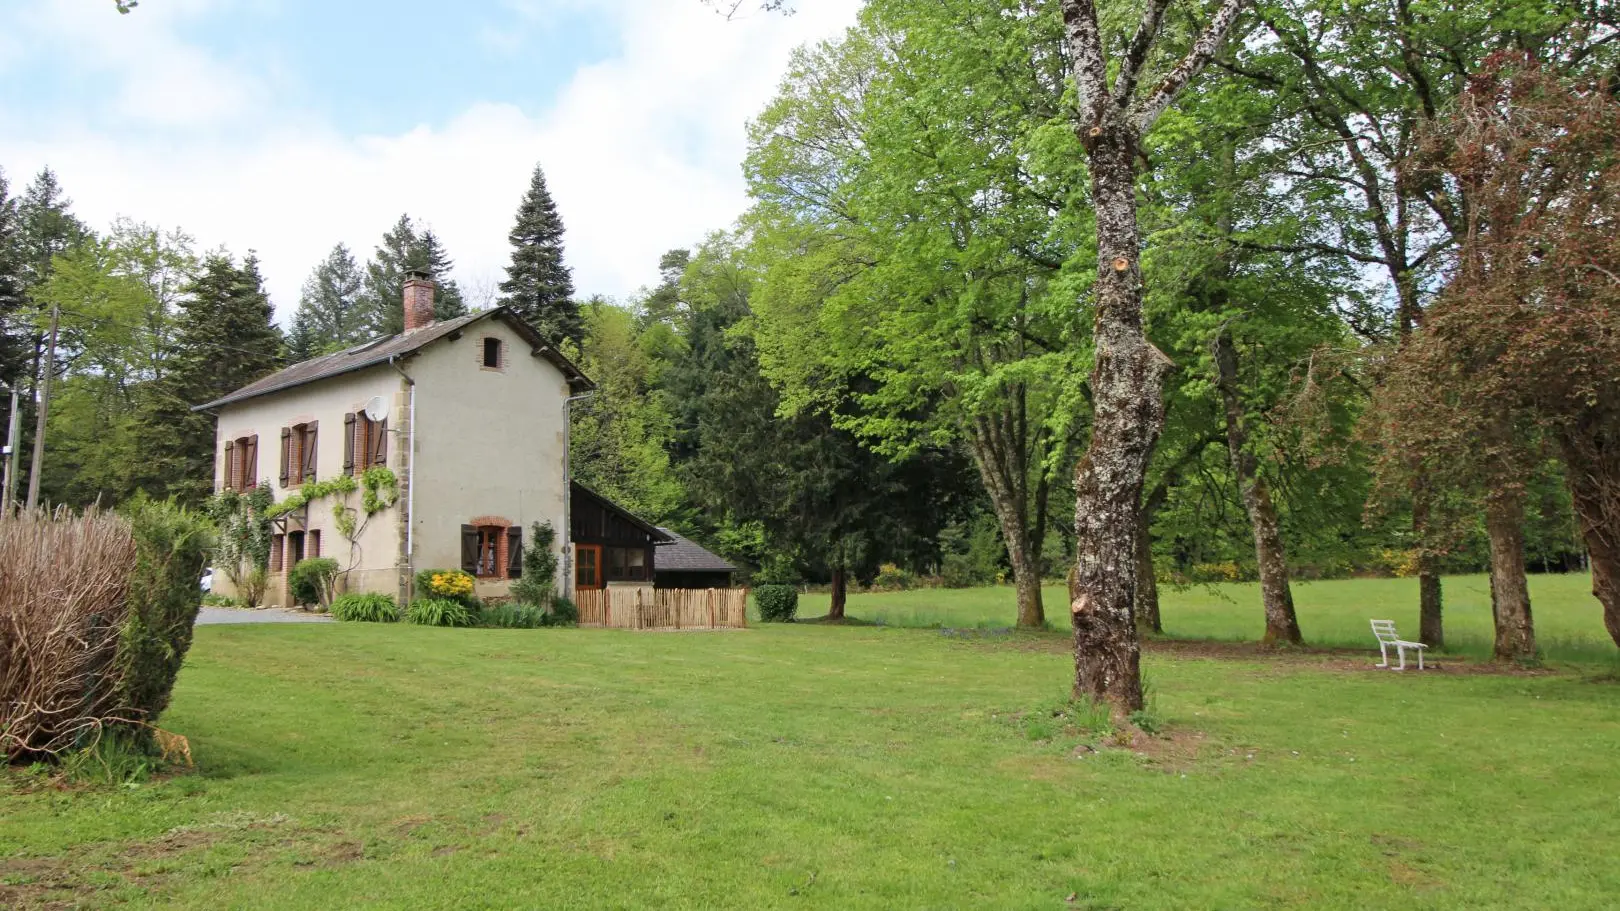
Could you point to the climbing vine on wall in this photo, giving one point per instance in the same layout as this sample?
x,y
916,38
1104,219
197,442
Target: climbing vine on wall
x,y
378,487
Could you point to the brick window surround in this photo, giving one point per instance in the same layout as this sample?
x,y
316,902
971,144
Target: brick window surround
x,y
491,353
491,548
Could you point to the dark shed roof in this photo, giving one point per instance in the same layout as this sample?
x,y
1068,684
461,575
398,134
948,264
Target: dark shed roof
x,y
687,556
378,351
584,494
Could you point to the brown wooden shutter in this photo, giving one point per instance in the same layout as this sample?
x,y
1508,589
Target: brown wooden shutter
x,y
310,449
276,544
250,464
469,549
286,454
379,442
314,544
514,552
230,466
349,429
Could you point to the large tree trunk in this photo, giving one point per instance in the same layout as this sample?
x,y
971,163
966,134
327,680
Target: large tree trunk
x,y
840,594
1282,625
1128,407
1592,464
998,453
1431,626
1147,586
1510,591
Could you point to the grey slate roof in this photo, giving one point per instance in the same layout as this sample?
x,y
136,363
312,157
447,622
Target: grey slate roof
x,y
378,351
687,556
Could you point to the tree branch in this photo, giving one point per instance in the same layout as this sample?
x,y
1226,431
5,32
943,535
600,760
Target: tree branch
x,y
1090,66
1130,69
1147,113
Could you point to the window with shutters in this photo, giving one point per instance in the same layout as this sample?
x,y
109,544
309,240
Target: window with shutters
x,y
294,549
241,463
492,551
299,446
365,443
314,546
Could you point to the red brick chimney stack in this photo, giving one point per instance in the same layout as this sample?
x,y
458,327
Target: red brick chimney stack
x,y
418,301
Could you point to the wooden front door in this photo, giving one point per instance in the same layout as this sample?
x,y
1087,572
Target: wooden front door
x,y
588,566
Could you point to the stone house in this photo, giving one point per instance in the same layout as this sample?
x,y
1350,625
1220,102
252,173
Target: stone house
x,y
470,417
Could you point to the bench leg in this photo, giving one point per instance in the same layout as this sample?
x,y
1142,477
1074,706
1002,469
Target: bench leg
x,y
1383,655
1401,651
1420,659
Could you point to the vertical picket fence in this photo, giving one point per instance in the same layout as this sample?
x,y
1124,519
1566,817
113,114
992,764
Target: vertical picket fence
x,y
664,608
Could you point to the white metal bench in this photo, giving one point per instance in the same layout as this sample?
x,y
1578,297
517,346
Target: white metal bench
x,y
1385,631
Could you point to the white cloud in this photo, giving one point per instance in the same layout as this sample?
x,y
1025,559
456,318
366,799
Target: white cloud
x,y
642,151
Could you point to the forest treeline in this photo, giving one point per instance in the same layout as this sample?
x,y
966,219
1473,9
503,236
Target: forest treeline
x,y
883,368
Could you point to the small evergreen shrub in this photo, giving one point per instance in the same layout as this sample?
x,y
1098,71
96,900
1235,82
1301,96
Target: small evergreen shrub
x,y
512,615
172,545
447,584
439,612
311,581
365,607
563,612
777,603
538,584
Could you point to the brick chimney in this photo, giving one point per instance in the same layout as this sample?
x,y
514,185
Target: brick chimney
x,y
418,301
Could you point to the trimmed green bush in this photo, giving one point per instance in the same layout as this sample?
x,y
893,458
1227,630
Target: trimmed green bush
x,y
311,580
563,612
439,612
172,545
777,603
365,607
512,615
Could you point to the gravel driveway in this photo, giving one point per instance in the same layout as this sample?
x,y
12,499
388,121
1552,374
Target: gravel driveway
x,y
212,615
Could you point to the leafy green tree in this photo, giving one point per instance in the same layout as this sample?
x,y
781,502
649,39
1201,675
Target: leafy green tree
x,y
330,315
225,338
914,281
117,295
826,504
539,287
619,436
1352,87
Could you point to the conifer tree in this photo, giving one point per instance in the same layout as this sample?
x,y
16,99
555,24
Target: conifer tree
x,y
329,317
538,286
11,292
405,249
226,337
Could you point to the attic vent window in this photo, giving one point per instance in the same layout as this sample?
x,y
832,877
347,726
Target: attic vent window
x,y
492,353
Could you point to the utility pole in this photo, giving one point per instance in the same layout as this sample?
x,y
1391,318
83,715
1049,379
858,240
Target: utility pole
x,y
43,407
8,488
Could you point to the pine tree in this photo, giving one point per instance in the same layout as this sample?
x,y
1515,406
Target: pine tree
x,y
405,249
329,317
12,360
538,286
226,337
430,256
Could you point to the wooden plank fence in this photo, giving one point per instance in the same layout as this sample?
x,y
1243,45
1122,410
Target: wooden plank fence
x,y
663,608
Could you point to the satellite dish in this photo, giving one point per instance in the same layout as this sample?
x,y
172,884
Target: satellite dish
x,y
376,409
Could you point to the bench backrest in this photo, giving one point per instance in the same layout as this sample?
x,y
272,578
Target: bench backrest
x,y
1384,630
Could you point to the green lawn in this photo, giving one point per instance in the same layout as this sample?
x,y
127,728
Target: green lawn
x,y
1569,621
808,766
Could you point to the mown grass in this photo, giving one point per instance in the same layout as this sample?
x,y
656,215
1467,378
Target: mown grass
x,y
1569,621
802,766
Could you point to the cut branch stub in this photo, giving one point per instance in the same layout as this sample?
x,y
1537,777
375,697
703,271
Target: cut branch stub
x,y
1121,264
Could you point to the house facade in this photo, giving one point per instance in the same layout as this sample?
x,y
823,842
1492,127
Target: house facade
x,y
467,415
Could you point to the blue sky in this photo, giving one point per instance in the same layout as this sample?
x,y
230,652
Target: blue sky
x,y
286,126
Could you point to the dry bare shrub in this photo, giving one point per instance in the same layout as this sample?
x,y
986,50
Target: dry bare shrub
x,y
64,598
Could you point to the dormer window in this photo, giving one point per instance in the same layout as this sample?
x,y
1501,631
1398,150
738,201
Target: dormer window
x,y
492,353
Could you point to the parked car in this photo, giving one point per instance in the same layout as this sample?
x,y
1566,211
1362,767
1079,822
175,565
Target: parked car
x,y
208,580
